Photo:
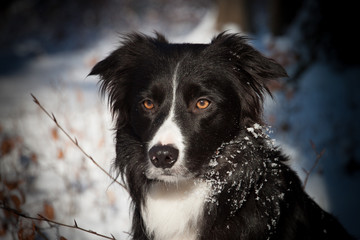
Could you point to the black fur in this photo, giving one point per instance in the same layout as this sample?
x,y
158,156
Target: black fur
x,y
256,195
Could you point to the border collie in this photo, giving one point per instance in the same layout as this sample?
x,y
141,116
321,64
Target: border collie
x,y
192,147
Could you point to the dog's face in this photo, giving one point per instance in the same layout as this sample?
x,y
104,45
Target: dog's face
x,y
180,102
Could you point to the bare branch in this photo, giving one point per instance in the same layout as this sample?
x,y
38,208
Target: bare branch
x,y
42,218
74,140
318,157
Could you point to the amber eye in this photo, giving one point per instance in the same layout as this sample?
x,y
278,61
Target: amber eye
x,y
148,104
202,104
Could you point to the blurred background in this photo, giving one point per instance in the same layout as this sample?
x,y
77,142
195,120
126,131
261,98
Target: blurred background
x,y
47,48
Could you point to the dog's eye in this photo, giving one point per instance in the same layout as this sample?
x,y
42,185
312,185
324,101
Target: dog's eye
x,y
148,104
202,103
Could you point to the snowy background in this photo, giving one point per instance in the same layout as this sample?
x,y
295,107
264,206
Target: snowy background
x,y
47,48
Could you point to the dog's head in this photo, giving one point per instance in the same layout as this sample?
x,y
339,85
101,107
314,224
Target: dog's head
x,y
179,102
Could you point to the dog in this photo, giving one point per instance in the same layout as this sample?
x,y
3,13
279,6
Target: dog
x,y
192,146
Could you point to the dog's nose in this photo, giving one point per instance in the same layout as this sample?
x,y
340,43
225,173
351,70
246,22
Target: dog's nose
x,y
163,156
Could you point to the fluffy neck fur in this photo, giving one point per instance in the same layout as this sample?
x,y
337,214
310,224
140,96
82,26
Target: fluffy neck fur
x,y
174,210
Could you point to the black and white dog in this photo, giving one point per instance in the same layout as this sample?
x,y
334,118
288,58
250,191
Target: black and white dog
x,y
191,144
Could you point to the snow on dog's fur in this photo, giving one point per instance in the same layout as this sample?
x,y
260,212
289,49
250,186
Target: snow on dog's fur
x,y
191,147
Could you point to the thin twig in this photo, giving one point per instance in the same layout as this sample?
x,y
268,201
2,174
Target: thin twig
x,y
42,218
74,140
318,157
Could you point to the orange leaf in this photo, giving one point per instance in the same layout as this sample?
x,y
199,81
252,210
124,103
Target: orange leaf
x,y
21,234
33,158
111,197
26,232
49,211
54,133
12,185
60,154
63,238
16,201
7,145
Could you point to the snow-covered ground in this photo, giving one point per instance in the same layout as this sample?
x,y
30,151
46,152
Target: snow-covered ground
x,y
54,178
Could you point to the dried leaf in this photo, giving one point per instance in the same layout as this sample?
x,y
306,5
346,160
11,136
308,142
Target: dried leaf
x,y
16,201
111,197
26,232
21,234
49,211
60,154
3,229
54,133
13,184
7,145
34,158
62,238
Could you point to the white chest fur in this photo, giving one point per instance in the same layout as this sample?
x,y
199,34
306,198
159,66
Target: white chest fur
x,y
172,211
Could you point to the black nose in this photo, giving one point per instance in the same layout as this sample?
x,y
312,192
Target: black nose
x,y
163,156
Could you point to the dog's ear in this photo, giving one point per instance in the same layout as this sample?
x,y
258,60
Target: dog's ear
x,y
117,72
249,59
251,71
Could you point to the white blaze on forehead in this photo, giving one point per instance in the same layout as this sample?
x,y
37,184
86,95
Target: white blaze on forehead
x,y
169,132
